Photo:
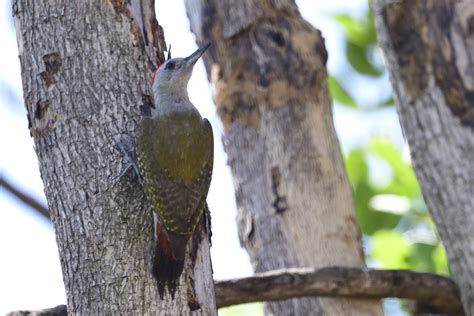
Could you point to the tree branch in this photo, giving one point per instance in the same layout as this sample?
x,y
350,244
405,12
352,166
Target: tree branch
x,y
60,310
432,290
24,197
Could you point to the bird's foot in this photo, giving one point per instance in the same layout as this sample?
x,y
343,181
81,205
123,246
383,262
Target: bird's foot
x,y
131,164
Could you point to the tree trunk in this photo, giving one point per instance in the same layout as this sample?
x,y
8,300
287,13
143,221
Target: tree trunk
x,y
85,69
295,206
429,49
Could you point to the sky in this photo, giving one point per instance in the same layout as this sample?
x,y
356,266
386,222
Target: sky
x,y
30,273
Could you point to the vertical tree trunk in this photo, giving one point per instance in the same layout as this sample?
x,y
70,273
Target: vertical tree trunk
x,y
295,206
429,49
85,68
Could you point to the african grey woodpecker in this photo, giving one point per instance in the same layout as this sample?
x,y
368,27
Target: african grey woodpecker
x,y
175,158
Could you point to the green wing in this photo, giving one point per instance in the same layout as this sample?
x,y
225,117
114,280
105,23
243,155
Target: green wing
x,y
175,156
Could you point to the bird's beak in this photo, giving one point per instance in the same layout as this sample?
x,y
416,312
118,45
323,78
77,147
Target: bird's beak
x,y
193,58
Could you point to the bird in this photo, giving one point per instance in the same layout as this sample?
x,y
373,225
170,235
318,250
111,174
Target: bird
x,y
174,150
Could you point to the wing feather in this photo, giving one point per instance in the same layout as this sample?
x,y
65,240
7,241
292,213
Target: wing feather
x,y
175,157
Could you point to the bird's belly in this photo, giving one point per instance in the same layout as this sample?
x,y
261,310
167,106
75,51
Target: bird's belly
x,y
185,154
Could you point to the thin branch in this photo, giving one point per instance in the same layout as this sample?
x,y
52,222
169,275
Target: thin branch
x,y
60,310
435,291
24,197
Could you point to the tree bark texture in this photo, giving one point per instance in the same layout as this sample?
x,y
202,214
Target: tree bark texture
x,y
429,49
86,66
295,206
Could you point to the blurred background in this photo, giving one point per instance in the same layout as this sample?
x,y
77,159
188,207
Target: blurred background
x,y
397,230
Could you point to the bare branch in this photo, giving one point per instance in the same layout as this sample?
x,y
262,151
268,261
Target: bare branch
x,y
60,310
433,290
24,197
430,291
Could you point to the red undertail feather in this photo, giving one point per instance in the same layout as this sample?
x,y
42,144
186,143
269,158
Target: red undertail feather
x,y
167,266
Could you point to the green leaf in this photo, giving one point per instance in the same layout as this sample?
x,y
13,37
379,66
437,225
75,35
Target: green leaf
x,y
440,260
372,222
356,166
390,249
387,103
358,31
421,258
358,58
252,309
339,93
404,180
369,220
361,38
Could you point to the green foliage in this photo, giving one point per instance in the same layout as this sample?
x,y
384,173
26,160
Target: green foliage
x,y
393,250
360,32
339,93
361,43
401,236
358,57
357,168
421,257
361,39
390,249
252,309
391,213
440,260
369,219
404,180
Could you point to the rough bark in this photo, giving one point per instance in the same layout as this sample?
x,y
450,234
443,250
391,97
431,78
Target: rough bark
x,y
85,69
429,49
295,206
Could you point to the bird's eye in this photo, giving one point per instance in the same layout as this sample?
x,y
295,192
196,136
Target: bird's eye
x,y
169,65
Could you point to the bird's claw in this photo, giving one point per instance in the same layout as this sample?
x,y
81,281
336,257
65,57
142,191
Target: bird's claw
x,y
131,163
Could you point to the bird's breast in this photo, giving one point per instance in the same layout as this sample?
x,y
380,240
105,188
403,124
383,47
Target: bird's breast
x,y
180,145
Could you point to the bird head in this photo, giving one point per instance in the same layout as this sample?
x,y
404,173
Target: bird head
x,y
173,75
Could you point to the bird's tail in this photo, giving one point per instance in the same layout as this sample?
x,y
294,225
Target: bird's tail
x,y
168,263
